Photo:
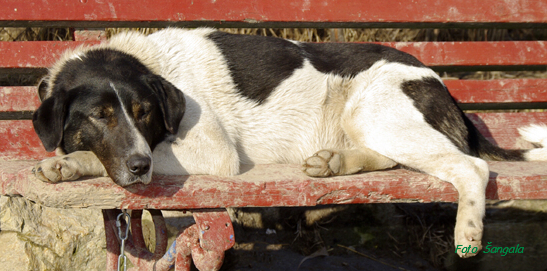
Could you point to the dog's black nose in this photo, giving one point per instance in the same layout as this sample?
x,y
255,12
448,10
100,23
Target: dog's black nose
x,y
139,164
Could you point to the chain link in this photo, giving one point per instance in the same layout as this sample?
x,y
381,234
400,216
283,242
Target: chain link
x,y
123,237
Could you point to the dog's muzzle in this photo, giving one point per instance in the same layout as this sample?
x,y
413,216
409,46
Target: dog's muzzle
x,y
139,168
139,164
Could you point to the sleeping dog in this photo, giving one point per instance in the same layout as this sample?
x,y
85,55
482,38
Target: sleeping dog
x,y
205,102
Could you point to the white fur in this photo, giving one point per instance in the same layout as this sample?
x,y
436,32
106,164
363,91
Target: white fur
x,y
535,134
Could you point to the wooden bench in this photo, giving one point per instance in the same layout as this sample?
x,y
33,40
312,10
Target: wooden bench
x,y
274,185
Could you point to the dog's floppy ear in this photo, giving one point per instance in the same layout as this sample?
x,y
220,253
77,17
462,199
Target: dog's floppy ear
x,y
42,88
49,119
171,99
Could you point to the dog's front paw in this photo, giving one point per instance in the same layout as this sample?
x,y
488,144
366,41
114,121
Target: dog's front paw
x,y
467,238
56,169
323,163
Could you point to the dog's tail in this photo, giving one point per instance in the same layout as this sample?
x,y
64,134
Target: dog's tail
x,y
535,134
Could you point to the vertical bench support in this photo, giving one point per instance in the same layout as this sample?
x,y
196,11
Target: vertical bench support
x,y
203,242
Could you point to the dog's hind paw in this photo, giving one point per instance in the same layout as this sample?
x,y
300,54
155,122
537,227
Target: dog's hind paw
x,y
56,169
323,163
467,238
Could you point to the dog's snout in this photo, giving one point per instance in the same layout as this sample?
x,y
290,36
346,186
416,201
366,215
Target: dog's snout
x,y
139,164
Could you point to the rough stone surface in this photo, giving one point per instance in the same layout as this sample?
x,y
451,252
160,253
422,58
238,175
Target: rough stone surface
x,y
41,238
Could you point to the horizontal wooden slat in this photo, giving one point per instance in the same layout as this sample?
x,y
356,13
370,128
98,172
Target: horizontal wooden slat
x,y
498,91
504,53
501,128
19,141
35,54
268,185
18,99
324,11
24,98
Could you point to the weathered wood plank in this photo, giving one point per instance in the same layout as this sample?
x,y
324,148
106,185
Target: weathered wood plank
x,y
268,185
427,11
501,128
498,91
35,54
19,141
21,98
18,99
42,54
500,53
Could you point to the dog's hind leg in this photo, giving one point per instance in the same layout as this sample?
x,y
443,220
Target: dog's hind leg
x,y
385,119
329,162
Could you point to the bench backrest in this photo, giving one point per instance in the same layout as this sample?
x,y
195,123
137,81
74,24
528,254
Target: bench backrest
x,y
17,103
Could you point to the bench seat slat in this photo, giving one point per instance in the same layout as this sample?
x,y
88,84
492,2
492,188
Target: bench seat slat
x,y
42,54
268,185
21,142
426,11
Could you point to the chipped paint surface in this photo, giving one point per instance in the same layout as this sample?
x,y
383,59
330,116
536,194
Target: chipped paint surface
x,y
280,185
40,54
474,11
20,142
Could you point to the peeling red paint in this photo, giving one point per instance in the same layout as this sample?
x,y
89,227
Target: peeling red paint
x,y
280,185
473,11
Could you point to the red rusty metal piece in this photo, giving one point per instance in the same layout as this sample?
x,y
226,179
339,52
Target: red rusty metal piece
x,y
161,232
136,229
188,247
215,229
112,245
137,253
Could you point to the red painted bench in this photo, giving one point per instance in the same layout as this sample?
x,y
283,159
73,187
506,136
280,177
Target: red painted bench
x,y
274,185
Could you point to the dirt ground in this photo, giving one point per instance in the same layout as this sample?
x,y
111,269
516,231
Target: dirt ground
x,y
382,237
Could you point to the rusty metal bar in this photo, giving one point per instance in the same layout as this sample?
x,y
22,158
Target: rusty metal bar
x,y
203,242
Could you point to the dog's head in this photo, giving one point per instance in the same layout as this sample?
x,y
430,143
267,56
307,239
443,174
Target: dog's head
x,y
108,102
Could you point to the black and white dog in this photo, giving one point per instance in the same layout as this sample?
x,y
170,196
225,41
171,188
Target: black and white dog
x,y
117,110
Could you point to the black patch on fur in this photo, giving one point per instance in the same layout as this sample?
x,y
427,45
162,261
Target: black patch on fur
x,y
258,64
349,59
470,224
440,111
471,203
